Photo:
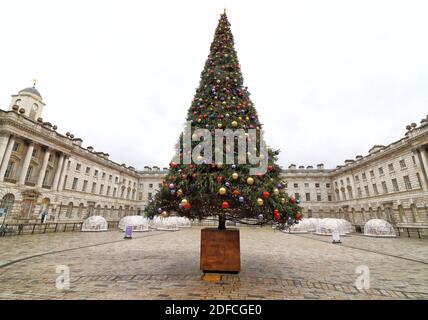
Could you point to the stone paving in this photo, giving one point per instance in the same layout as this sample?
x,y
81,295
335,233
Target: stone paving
x,y
165,265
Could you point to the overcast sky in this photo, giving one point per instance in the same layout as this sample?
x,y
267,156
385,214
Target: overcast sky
x,y
329,78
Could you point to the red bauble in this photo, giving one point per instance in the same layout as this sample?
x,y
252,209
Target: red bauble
x,y
184,176
173,165
186,206
191,166
236,193
265,195
293,199
194,175
225,205
219,179
276,214
270,168
298,216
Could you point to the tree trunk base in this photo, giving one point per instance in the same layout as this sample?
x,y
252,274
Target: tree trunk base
x,y
220,250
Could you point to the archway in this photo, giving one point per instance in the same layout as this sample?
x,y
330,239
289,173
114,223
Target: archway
x,y
7,204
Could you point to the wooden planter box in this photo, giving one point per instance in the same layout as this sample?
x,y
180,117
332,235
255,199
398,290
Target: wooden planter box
x,y
220,250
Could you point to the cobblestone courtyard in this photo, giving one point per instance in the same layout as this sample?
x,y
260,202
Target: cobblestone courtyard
x,y
165,265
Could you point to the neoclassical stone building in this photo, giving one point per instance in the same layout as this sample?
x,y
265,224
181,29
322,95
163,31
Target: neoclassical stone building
x,y
43,170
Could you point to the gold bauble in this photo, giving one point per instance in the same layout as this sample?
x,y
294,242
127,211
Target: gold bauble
x,y
164,214
276,192
184,201
235,176
250,181
219,125
179,192
282,200
260,201
222,191
234,124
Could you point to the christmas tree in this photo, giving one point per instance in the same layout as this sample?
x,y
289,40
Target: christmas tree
x,y
197,186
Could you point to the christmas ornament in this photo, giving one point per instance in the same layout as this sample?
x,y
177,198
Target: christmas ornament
x,y
260,201
236,193
298,216
164,214
265,195
276,191
235,176
184,201
276,214
269,168
222,191
250,181
241,199
179,192
171,186
282,200
234,124
293,199
225,205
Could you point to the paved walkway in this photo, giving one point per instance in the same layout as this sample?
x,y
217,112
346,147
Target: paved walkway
x,y
165,265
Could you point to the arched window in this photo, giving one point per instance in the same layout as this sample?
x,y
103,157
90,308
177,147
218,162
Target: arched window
x,y
80,211
112,211
414,213
69,210
379,213
18,102
105,211
120,212
98,210
7,203
402,214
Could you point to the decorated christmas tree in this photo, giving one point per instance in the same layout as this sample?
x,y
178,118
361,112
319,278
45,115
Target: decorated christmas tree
x,y
244,184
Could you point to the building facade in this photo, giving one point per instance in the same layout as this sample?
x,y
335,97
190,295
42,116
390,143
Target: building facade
x,y
42,170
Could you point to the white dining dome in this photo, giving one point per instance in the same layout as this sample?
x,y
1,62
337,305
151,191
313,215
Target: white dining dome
x,y
138,223
329,225
95,223
378,228
303,226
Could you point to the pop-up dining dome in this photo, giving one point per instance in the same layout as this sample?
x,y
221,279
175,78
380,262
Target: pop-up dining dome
x,y
302,227
346,226
95,223
378,228
138,223
328,225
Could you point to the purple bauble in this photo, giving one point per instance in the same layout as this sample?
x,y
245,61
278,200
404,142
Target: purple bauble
x,y
159,210
280,186
227,184
241,199
171,186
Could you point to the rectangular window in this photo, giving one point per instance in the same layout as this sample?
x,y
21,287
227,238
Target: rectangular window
x,y
114,192
50,158
341,182
384,187
15,147
343,195
297,195
28,175
357,178
108,191
306,185
329,197
85,185
317,185
391,167
348,181
88,169
318,196
407,183
110,177
101,189
150,185
403,164
327,185
395,185
140,196
149,196
68,164
46,177
116,179
335,183
78,165
413,159
34,153
376,192
308,196
419,179
296,185
94,186
371,173
103,175
96,173
9,170
74,185
363,175
366,189
360,194
380,170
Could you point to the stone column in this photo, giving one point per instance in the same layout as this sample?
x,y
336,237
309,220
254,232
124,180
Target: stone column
x,y
58,172
43,169
424,166
4,139
26,163
6,157
62,176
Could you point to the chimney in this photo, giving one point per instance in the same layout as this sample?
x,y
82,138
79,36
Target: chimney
x,y
292,166
77,142
320,166
90,149
349,161
301,167
309,167
359,157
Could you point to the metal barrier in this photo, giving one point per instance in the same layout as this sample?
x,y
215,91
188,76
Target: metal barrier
x,y
32,228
